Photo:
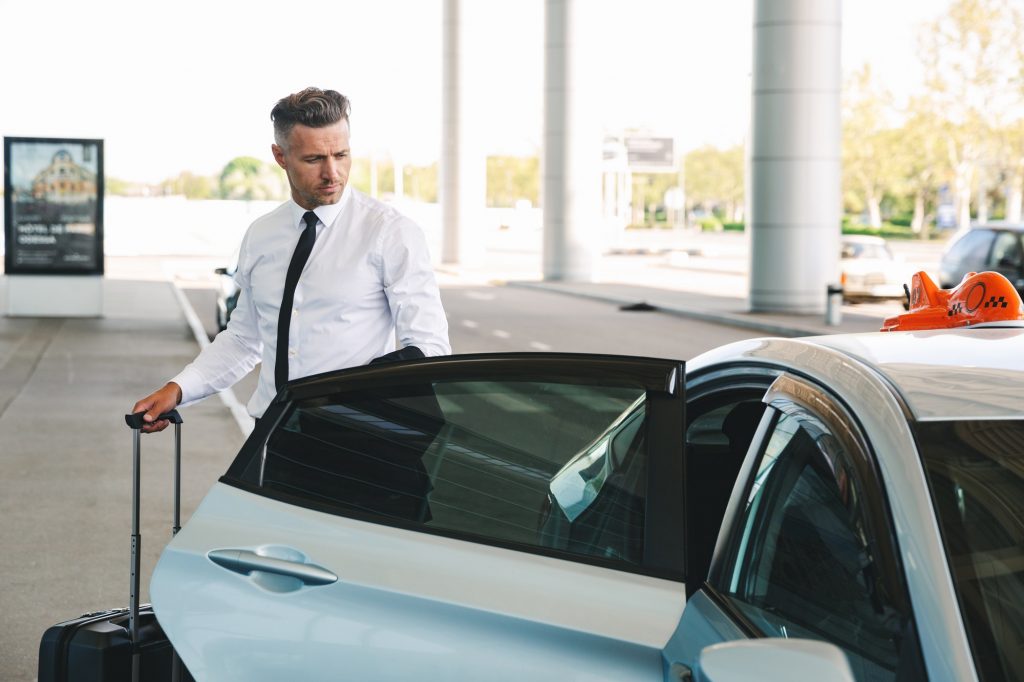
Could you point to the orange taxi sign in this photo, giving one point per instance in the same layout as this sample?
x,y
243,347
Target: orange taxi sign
x,y
980,297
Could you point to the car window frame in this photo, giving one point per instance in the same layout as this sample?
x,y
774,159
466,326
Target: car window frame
x,y
662,381
794,395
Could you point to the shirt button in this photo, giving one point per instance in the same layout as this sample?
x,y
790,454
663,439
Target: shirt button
x,y
292,352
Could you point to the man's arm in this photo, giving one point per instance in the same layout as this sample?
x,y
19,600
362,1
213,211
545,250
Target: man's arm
x,y
231,355
412,292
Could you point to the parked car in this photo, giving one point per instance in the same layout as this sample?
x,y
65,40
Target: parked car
x,y
869,270
227,296
993,246
831,508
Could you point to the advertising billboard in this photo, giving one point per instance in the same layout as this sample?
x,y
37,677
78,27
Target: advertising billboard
x,y
53,206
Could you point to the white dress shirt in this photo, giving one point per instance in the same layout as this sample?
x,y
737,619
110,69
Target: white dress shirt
x,y
367,280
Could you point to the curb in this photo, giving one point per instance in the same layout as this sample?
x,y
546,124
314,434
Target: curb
x,y
731,319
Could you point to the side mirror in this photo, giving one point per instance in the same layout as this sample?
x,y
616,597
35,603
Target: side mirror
x,y
221,271
774,660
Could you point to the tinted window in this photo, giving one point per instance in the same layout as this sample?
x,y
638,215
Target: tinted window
x,y
717,437
976,474
1006,252
802,558
563,467
970,254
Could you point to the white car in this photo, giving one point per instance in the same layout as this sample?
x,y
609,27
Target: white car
x,y
869,270
829,508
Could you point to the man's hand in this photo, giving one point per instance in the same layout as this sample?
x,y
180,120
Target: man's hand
x,y
156,404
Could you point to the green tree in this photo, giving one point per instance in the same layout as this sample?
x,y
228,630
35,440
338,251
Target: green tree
x,y
870,169
919,151
249,178
116,186
972,59
421,182
511,178
714,179
191,186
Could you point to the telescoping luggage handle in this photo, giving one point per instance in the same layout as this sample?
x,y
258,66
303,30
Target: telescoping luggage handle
x,y
136,422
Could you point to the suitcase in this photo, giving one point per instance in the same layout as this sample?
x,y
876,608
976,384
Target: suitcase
x,y
119,644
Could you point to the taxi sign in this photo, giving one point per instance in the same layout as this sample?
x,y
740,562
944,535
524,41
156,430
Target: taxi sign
x,y
980,297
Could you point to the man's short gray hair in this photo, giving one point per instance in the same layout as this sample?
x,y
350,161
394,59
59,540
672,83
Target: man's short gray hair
x,y
311,107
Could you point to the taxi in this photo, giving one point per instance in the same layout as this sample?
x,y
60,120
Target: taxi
x,y
844,507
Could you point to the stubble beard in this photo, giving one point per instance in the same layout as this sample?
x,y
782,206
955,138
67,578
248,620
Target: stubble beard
x,y
314,199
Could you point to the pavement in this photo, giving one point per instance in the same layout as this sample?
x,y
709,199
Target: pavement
x,y
65,452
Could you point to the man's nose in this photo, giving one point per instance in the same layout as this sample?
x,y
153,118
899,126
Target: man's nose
x,y
329,168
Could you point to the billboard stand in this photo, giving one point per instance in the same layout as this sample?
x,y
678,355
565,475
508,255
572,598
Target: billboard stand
x,y
53,226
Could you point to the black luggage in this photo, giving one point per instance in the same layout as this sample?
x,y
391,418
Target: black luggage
x,y
120,644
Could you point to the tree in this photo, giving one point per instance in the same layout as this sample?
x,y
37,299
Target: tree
x,y
714,179
511,178
869,168
920,154
191,186
421,182
248,178
972,59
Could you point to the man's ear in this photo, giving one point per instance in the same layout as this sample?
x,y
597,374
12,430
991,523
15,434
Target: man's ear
x,y
278,153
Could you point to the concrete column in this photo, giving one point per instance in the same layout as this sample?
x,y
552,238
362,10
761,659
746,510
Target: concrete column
x,y
794,209
463,165
572,157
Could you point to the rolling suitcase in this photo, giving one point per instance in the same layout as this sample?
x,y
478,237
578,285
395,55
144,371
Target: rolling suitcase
x,y
119,644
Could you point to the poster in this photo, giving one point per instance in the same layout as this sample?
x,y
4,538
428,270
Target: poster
x,y
53,206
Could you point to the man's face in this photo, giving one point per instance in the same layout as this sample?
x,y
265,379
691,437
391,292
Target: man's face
x,y
317,161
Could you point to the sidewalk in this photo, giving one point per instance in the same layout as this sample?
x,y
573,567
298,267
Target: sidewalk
x,y
65,458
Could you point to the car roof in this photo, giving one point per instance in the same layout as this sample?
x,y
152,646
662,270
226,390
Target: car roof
x,y
965,373
937,375
998,225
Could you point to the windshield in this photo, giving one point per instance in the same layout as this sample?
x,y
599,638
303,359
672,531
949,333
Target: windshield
x,y
865,250
976,474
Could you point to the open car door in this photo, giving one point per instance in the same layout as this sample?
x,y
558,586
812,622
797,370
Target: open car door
x,y
512,516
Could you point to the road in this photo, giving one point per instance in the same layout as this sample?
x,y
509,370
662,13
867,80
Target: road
x,y
490,319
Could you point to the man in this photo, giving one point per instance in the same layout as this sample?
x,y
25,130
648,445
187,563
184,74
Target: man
x,y
328,279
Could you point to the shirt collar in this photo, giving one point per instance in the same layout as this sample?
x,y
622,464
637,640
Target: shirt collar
x,y
326,213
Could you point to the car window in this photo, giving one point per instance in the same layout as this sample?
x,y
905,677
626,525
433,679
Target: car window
x,y
1006,253
971,252
976,476
532,464
720,429
802,559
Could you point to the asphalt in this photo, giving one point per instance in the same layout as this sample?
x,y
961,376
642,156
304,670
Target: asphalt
x,y
65,452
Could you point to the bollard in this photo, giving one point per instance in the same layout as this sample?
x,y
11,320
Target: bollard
x,y
834,305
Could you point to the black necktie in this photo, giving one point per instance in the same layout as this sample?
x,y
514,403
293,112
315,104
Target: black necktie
x,y
284,318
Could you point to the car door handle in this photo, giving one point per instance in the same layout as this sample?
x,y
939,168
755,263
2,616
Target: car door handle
x,y
244,561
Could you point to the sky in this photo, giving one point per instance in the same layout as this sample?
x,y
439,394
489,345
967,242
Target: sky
x,y
189,85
